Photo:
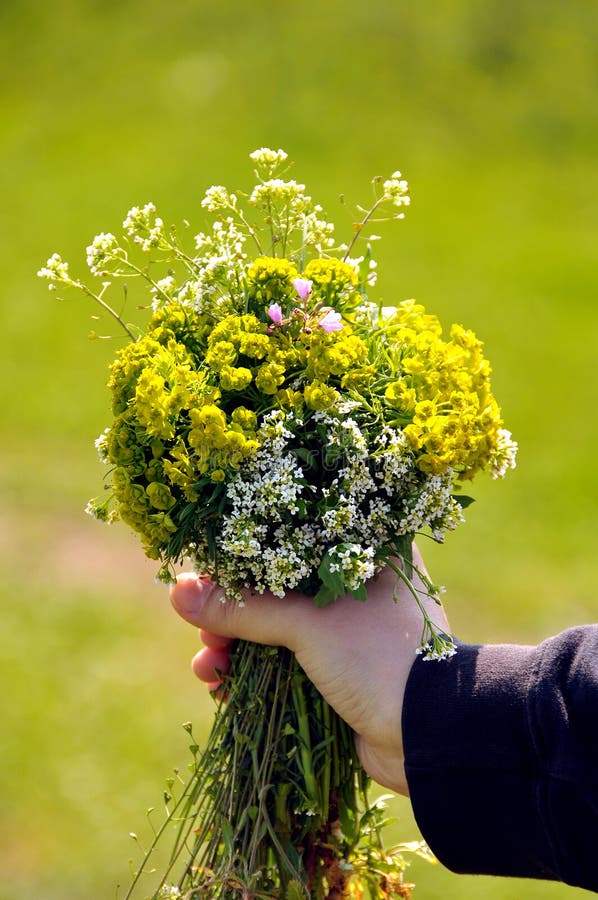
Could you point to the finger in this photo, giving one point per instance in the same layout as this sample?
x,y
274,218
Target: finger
x,y
261,618
217,641
209,664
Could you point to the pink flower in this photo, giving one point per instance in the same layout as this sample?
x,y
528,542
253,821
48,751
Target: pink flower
x,y
275,313
303,287
331,321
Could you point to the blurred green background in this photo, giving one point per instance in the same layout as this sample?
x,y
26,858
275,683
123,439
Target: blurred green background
x,y
489,108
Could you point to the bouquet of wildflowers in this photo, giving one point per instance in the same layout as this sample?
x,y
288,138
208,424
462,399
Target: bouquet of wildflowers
x,y
283,432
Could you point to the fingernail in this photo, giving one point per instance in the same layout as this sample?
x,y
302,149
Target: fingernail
x,y
204,586
205,582
191,591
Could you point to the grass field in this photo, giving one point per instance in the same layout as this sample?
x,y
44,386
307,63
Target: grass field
x,y
489,110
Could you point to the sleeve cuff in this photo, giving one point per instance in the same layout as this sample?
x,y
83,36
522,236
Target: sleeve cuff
x,y
470,762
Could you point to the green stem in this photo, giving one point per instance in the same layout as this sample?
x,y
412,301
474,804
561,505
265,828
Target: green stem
x,y
143,274
98,298
305,749
251,231
429,629
361,225
331,752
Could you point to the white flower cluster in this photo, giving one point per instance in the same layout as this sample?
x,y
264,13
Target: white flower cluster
x,y
219,272
505,456
317,232
393,461
101,445
355,561
102,250
222,252
291,557
170,892
217,197
432,505
443,647
56,269
289,209
163,291
144,226
270,485
290,193
270,549
349,501
371,275
267,161
396,189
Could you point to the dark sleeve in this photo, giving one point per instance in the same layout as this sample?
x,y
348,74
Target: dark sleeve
x,y
501,756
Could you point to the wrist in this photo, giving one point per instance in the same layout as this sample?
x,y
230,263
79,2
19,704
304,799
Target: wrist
x,y
385,765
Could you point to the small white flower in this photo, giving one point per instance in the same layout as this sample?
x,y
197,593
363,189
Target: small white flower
x,y
217,197
56,269
505,454
267,160
101,445
102,250
396,189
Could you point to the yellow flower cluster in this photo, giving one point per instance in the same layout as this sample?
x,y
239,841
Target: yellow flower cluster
x,y
218,443
271,279
189,395
241,353
139,489
441,393
170,435
335,355
332,278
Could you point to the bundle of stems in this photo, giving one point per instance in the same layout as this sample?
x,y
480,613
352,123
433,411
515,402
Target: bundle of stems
x,y
277,804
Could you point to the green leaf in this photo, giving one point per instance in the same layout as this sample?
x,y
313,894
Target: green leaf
x,y
295,890
463,500
324,597
306,455
359,593
347,820
332,580
227,836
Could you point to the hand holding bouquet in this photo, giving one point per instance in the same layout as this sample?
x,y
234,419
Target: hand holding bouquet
x,y
285,433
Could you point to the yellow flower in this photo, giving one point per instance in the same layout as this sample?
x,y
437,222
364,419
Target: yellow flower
x,y
331,276
244,417
425,409
269,377
319,396
413,435
160,496
220,354
401,396
232,328
254,345
287,398
232,379
270,278
334,354
209,414
358,379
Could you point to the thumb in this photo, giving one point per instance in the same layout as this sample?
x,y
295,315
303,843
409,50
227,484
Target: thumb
x,y
261,618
